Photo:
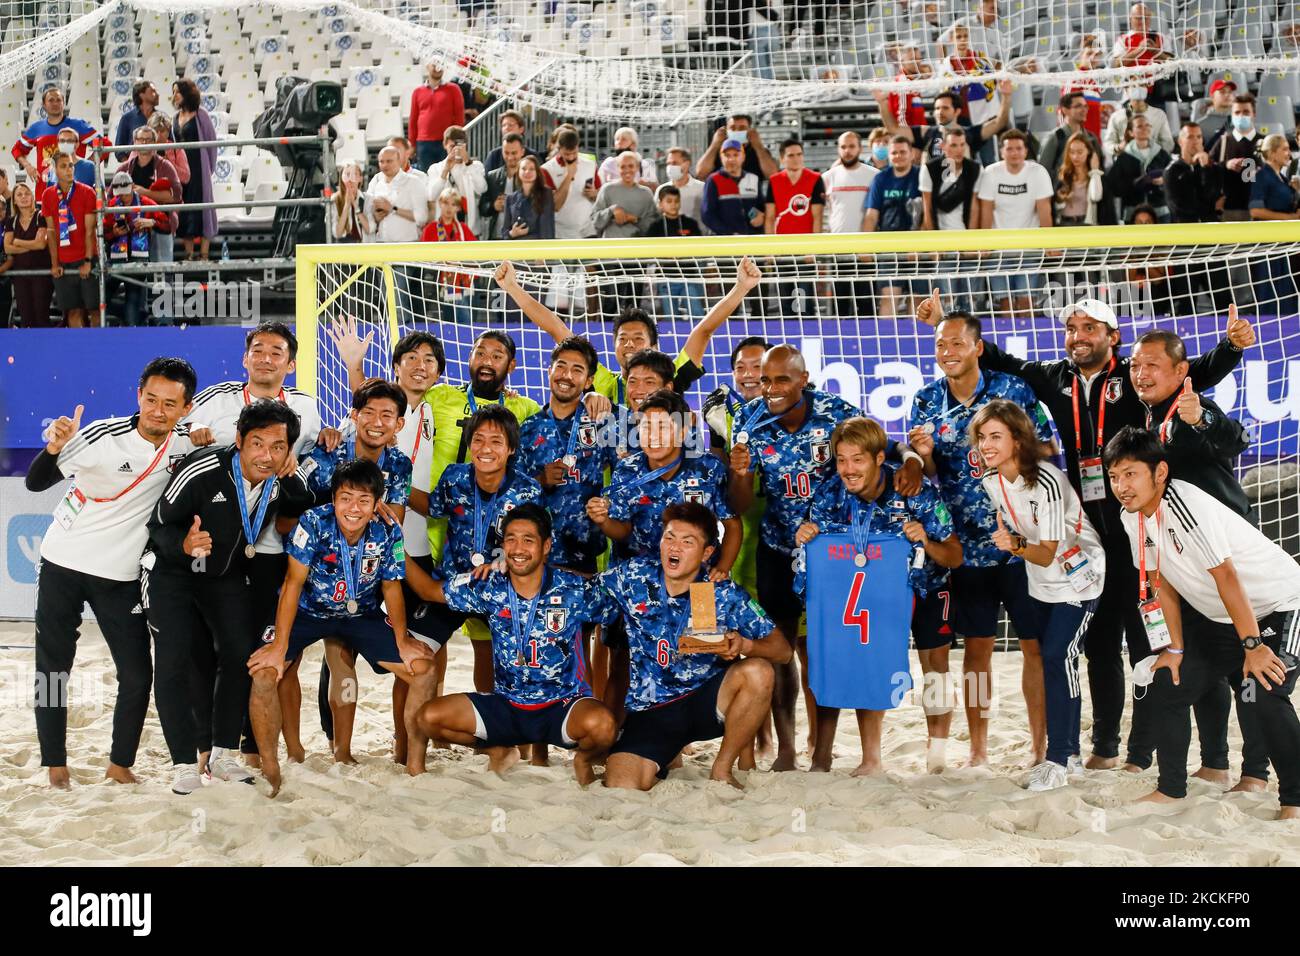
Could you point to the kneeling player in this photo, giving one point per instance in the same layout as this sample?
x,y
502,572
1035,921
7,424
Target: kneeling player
x,y
535,614
861,497
341,560
675,699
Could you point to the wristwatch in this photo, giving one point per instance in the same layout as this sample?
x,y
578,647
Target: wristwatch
x,y
1250,643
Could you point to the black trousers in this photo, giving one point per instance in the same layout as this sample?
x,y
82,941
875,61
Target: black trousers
x,y
61,594
201,628
265,577
1214,653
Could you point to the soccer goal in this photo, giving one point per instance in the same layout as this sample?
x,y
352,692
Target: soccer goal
x,y
846,302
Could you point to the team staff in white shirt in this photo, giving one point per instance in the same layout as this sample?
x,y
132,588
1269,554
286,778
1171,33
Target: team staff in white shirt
x,y
91,554
1040,519
1192,548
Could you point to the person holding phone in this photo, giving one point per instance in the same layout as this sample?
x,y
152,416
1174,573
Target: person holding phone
x,y
461,172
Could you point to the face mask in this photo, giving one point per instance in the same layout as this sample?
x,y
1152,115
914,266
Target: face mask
x,y
1242,123
678,171
881,153
68,149
1143,674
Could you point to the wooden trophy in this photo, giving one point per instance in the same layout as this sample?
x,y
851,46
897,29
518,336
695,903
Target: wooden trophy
x,y
702,635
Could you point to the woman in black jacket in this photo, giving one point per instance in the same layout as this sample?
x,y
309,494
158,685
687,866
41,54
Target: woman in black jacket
x,y
1137,176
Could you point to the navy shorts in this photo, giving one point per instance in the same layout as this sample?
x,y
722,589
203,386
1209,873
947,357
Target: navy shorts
x,y
418,623
660,733
503,724
932,619
614,636
774,573
980,592
367,635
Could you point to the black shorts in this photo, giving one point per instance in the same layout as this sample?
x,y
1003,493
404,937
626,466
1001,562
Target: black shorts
x,y
932,619
418,623
73,292
503,724
265,575
660,733
368,636
775,575
980,592
614,636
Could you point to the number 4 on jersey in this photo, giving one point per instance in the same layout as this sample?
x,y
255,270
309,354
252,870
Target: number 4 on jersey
x,y
852,616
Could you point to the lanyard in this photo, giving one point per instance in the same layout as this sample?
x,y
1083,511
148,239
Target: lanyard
x,y
148,471
419,433
1101,415
523,628
351,568
657,473
948,409
1161,433
251,530
483,518
618,390
248,399
571,450
473,402
1142,564
861,527
754,423
734,405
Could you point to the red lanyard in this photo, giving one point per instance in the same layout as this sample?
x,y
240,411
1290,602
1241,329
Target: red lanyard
x,y
1142,562
1015,521
149,471
1160,432
278,398
1101,415
419,431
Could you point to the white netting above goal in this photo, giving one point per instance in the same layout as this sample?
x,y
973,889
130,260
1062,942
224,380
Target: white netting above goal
x,y
837,309
659,62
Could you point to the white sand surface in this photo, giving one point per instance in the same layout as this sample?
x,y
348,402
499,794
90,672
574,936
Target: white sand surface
x,y
460,814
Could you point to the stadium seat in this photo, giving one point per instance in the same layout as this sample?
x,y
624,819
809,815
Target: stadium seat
x,y
1043,119
229,191
361,78
312,59
1254,15
265,46
1276,115
238,85
264,168
373,98
383,124
265,215
350,145
344,44
273,64
1275,83
1245,41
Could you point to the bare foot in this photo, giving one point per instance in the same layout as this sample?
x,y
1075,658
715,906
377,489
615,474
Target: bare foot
x,y
345,756
1101,763
253,760
582,768
60,778
867,769
763,750
1250,785
415,765
439,744
503,760
784,761
725,776
1213,776
821,763
1155,796
1132,768
980,759
1289,813
119,774
676,764
399,749
541,756
295,752
746,761
271,774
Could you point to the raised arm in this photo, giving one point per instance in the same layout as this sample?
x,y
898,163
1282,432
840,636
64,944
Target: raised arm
x,y
1209,369
747,278
537,313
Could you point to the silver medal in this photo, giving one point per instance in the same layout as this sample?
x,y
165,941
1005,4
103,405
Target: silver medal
x,y
352,606
569,460
249,551
860,559
928,428
477,559
742,438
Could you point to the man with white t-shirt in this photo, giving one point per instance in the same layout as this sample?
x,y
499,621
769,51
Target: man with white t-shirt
x,y
1191,548
574,178
1015,193
91,554
846,185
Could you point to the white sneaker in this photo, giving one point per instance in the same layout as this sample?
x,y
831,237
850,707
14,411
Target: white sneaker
x,y
223,766
1047,776
186,779
1074,766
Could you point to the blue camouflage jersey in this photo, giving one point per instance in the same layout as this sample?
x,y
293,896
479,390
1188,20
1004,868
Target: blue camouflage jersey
x,y
702,479
318,543
655,621
832,512
454,499
957,463
791,466
318,467
543,661
544,439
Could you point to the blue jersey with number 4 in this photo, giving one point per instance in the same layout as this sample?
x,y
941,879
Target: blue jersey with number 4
x,y
859,619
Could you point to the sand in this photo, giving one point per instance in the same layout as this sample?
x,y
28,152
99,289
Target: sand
x,y
461,814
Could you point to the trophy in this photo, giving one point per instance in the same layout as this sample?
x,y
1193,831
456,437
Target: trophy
x,y
702,635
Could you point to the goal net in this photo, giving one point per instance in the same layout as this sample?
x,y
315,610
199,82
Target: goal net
x,y
848,312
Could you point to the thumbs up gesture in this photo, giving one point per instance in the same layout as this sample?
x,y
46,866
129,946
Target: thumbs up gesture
x,y
1189,404
198,543
930,311
62,429
1003,539
1240,332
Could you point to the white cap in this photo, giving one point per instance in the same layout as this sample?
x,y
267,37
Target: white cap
x,y
1093,309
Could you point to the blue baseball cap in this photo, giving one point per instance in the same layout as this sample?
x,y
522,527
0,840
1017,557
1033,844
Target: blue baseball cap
x,y
733,144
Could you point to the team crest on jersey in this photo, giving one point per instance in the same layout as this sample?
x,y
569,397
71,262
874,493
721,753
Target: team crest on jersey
x,y
556,618
425,427
172,462
821,452
369,566
1114,389
1033,510
694,497
1173,537
587,434
268,635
